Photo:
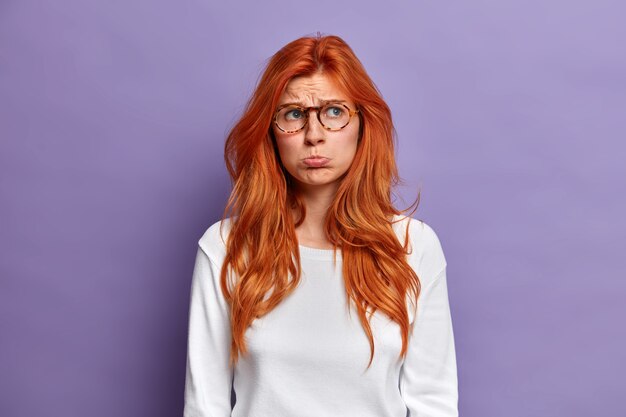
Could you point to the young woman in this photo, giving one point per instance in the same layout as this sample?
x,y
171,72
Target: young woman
x,y
314,296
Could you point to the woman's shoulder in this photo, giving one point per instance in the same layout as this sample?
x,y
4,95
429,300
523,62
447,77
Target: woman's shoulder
x,y
420,233
426,253
214,238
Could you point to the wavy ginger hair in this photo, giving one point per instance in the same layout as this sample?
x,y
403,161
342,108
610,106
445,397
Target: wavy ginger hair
x,y
262,248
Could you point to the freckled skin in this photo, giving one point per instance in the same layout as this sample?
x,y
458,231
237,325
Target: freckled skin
x,y
339,146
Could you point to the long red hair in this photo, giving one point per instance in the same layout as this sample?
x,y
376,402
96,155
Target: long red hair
x,y
262,247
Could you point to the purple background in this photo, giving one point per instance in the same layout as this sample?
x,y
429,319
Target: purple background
x,y
510,117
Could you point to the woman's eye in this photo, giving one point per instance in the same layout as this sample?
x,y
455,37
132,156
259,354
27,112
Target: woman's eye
x,y
293,114
334,111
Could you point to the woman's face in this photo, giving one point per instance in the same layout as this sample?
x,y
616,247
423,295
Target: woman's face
x,y
338,147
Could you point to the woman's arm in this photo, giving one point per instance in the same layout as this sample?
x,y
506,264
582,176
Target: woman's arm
x,y
428,379
208,380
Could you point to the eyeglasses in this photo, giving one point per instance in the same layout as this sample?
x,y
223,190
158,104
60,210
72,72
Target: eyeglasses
x,y
291,118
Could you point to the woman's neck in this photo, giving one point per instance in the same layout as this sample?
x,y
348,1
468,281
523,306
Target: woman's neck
x,y
316,200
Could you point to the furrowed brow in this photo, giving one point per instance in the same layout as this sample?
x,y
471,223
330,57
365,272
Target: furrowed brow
x,y
322,102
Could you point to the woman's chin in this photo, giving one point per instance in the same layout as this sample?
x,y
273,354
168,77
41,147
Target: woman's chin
x,y
317,181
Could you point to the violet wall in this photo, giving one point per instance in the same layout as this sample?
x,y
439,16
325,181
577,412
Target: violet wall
x,y
510,118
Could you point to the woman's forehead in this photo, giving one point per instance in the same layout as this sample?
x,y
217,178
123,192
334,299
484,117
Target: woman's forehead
x,y
312,90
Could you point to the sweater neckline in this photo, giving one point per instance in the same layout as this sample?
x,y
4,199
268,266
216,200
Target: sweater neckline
x,y
319,254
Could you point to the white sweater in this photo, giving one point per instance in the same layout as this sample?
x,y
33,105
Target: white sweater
x,y
308,357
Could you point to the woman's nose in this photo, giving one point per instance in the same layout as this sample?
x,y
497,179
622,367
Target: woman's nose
x,y
314,131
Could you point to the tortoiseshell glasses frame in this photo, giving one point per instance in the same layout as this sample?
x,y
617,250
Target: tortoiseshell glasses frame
x,y
317,109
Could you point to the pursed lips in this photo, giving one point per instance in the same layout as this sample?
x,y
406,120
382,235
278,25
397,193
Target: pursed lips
x,y
316,161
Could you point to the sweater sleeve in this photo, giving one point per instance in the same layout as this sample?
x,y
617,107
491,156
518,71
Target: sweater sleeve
x,y
428,379
208,380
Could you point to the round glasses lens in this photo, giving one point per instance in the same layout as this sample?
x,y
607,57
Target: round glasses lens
x,y
334,116
290,118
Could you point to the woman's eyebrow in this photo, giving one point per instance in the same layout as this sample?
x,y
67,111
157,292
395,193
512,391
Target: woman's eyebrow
x,y
322,102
